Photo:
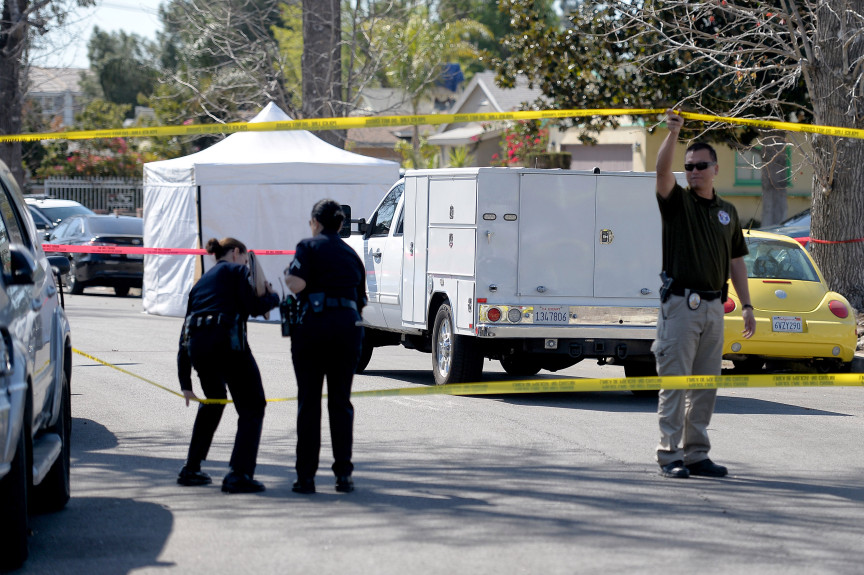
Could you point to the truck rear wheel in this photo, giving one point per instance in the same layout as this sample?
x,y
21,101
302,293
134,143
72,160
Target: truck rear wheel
x,y
54,491
13,501
520,364
455,358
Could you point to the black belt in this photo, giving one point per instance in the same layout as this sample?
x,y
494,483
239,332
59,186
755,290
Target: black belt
x,y
211,320
340,302
706,295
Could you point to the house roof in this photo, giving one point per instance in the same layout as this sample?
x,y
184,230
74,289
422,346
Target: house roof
x,y
378,136
53,80
494,98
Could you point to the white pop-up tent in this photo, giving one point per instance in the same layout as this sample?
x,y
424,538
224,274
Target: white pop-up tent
x,y
258,187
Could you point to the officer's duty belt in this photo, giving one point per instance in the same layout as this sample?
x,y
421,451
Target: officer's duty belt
x,y
340,302
705,295
212,320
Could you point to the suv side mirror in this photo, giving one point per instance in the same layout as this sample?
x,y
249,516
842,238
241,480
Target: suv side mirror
x,y
23,266
59,264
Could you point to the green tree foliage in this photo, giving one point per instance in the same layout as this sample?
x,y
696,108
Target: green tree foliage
x,y
417,47
424,155
122,66
289,37
459,157
497,21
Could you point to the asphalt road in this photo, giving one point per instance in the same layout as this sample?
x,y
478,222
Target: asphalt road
x,y
552,483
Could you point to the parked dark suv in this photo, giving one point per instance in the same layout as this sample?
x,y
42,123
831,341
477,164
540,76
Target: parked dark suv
x,y
35,376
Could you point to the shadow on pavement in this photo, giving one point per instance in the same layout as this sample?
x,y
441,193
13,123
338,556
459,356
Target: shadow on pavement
x,y
99,535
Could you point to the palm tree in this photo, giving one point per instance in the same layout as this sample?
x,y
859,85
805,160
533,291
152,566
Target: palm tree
x,y
418,47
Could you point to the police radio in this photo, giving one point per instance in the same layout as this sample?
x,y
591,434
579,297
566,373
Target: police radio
x,y
288,314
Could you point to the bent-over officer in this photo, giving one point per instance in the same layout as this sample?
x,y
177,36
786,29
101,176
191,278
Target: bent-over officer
x,y
703,247
214,342
329,280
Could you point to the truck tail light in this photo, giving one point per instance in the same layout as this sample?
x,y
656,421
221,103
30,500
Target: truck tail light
x,y
514,315
494,314
838,309
729,305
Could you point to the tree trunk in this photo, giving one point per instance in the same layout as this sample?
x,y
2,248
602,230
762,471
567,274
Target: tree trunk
x,y
322,65
774,177
13,37
838,181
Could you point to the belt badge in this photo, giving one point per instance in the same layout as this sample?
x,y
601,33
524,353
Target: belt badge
x,y
694,300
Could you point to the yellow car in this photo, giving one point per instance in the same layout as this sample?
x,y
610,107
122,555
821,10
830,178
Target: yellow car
x,y
798,319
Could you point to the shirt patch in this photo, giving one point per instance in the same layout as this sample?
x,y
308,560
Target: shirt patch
x,y
723,217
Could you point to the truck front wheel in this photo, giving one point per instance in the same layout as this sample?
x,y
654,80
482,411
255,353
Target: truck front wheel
x,y
455,358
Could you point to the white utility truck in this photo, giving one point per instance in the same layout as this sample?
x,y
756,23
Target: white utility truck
x,y
538,269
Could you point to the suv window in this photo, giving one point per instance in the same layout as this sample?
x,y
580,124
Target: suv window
x,y
56,214
10,230
384,216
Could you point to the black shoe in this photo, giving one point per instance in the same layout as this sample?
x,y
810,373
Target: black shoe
x,y
306,486
707,468
187,477
675,469
241,483
344,484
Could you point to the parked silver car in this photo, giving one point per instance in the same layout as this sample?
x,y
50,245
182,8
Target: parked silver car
x,y
35,376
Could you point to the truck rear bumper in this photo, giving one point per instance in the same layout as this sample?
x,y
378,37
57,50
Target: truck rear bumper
x,y
566,332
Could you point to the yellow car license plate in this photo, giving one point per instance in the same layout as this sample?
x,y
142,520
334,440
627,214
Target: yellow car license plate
x,y
787,324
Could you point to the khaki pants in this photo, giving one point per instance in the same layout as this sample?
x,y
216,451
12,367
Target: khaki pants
x,y
689,342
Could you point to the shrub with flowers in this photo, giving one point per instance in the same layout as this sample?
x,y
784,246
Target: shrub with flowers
x,y
520,140
112,159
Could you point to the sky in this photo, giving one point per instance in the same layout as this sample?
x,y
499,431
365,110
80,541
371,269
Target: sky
x,y
68,48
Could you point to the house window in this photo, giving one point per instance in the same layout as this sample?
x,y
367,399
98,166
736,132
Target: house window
x,y
748,166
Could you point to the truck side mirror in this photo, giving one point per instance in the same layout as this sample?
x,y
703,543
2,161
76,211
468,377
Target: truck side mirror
x,y
345,230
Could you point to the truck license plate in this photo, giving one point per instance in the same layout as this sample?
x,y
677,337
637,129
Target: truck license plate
x,y
787,324
552,314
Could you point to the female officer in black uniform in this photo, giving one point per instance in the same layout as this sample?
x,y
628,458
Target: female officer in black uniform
x,y
214,341
330,282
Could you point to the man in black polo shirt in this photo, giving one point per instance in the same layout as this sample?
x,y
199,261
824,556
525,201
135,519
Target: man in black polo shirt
x,y
702,247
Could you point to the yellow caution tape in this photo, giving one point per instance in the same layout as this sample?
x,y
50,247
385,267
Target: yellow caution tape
x,y
322,124
772,125
429,119
582,385
171,391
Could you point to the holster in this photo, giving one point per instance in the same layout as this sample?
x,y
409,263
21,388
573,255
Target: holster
x,y
665,286
237,334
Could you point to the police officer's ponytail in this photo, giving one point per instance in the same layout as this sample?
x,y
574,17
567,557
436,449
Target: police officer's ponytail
x,y
329,214
221,247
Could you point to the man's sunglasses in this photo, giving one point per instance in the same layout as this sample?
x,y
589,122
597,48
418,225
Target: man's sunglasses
x,y
699,166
